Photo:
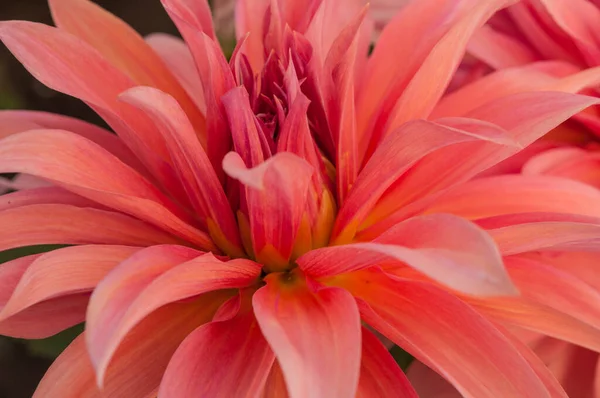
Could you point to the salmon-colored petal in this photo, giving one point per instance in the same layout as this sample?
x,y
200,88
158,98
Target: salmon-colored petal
x,y
246,21
16,121
556,289
178,58
71,374
571,162
422,93
86,169
508,194
579,19
386,78
66,224
192,164
474,356
276,195
447,249
115,293
63,272
200,275
10,275
22,181
193,20
524,237
315,335
428,384
275,385
45,195
123,47
582,265
380,375
394,157
207,364
499,50
69,65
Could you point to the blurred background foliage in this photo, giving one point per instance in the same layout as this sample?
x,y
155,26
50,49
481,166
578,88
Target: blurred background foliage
x,y
23,363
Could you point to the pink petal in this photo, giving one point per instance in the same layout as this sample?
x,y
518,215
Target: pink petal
x,y
380,375
446,248
474,356
276,195
556,289
192,278
191,162
315,336
115,293
248,19
499,50
394,157
65,224
22,181
63,272
430,82
582,265
275,385
193,20
16,121
86,169
178,58
508,194
207,364
123,47
571,162
45,195
69,65
71,374
544,234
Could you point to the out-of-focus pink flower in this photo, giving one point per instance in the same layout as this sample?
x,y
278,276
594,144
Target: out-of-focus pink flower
x,y
250,215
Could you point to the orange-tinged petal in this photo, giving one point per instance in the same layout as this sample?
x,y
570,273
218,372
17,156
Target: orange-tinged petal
x,y
394,157
579,264
61,273
429,384
412,314
380,375
424,90
508,194
315,335
65,224
446,248
86,169
571,162
201,275
124,48
115,293
276,196
228,358
191,162
275,385
178,58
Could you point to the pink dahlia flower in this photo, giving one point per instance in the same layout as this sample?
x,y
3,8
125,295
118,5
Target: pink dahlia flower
x,y
251,217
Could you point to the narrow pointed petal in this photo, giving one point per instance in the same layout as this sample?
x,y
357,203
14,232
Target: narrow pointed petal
x,y
446,248
71,374
16,121
69,65
63,272
191,162
423,92
201,275
178,58
499,50
380,375
412,313
123,47
86,169
115,293
394,157
207,364
276,193
508,194
315,336
45,195
65,224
